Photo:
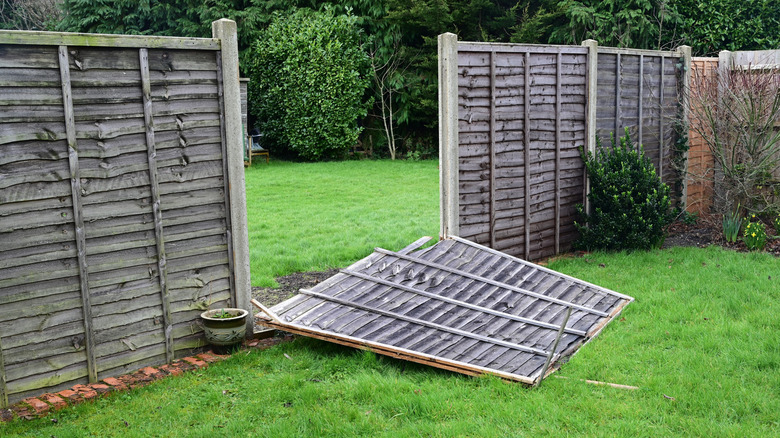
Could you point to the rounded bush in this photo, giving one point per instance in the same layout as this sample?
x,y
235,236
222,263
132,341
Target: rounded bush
x,y
309,76
630,206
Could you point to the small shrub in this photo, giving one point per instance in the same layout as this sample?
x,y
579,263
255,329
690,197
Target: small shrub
x,y
755,236
689,218
732,224
776,223
630,205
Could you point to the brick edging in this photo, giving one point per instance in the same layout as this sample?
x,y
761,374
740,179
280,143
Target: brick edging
x,y
40,406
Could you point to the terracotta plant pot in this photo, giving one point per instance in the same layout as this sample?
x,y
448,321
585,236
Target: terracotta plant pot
x,y
224,331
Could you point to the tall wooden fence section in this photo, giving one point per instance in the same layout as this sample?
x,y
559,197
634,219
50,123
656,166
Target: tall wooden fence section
x,y
120,218
640,90
701,164
512,120
521,118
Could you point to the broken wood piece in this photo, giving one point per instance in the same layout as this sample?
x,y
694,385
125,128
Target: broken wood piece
x,y
596,382
265,310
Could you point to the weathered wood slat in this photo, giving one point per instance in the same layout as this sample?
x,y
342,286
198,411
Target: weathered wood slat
x,y
3,390
49,77
78,221
40,38
43,375
158,227
456,302
527,151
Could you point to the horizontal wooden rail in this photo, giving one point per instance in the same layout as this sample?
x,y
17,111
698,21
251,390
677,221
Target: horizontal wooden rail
x,y
461,303
493,282
432,325
26,37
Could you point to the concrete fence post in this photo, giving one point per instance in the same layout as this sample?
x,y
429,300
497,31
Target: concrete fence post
x,y
448,134
226,31
590,109
685,103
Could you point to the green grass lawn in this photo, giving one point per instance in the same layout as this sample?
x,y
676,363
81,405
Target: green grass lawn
x,y
701,341
315,216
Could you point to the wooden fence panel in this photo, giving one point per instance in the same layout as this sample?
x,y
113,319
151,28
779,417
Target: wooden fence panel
x,y
521,118
115,223
639,90
701,163
523,112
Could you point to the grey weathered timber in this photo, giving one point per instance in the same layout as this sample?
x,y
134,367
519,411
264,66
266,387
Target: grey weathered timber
x,y
493,163
618,78
40,38
420,322
78,221
685,52
514,121
495,283
226,31
457,302
457,306
640,138
527,152
162,264
523,113
661,119
3,392
117,227
558,155
448,134
554,347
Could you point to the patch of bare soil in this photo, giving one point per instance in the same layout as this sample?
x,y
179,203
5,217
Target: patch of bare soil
x,y
709,231
289,285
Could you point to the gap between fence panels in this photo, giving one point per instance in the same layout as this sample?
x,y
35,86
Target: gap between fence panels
x,y
456,305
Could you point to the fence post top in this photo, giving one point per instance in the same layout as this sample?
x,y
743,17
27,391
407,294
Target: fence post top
x,y
590,42
448,35
223,23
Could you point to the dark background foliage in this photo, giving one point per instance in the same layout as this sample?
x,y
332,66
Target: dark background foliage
x,y
408,29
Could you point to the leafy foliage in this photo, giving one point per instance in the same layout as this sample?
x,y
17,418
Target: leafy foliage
x,y
630,205
29,14
619,23
309,74
732,224
407,29
171,17
715,25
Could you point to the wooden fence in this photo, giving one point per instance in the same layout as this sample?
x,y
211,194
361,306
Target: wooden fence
x,y
701,164
511,171
122,211
702,172
641,90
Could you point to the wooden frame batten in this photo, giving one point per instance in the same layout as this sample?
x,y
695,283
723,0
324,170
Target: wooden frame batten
x,y
3,390
151,149
558,155
45,38
527,153
492,168
78,221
